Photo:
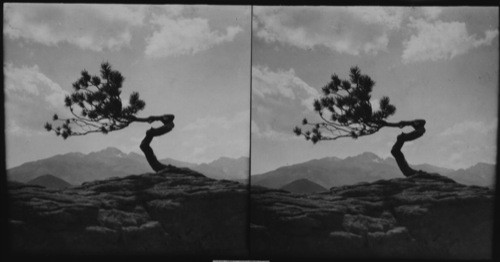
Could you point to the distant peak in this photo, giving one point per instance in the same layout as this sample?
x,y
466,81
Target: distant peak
x,y
134,154
111,151
224,159
110,148
483,165
331,158
368,156
242,158
74,154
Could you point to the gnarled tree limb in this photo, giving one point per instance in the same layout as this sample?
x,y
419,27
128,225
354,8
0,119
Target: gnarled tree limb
x,y
419,126
167,126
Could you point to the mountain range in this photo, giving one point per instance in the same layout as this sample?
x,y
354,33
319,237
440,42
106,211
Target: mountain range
x,y
76,168
367,167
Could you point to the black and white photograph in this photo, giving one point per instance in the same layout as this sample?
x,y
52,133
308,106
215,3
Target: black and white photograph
x,y
127,128
250,132
373,131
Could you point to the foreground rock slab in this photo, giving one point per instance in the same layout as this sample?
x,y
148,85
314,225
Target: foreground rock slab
x,y
175,212
423,216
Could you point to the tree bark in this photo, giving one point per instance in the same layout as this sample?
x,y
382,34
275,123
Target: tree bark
x,y
419,126
168,125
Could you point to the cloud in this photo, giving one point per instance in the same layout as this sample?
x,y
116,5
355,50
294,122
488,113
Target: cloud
x,y
219,122
282,85
471,127
465,153
214,136
368,30
349,30
440,40
466,143
268,133
12,128
92,27
280,100
178,35
174,10
431,12
31,99
29,82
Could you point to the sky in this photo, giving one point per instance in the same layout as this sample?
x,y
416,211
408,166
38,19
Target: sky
x,y
206,64
190,61
435,63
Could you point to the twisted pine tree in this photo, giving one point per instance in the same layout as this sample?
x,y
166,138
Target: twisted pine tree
x,y
345,111
96,107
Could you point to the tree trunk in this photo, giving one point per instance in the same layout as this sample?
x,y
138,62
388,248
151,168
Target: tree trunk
x,y
168,125
418,125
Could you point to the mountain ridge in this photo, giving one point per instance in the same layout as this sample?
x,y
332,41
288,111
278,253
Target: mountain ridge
x,y
76,167
366,167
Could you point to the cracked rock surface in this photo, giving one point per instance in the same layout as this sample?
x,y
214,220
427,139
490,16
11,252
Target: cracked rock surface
x,y
423,216
175,211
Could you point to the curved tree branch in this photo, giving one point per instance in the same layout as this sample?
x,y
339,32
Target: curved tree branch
x,y
167,126
419,126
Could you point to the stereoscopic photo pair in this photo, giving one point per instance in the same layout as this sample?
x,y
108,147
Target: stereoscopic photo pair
x,y
250,132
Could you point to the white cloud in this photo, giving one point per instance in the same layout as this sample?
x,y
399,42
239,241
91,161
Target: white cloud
x,y
440,40
368,30
26,82
31,98
268,133
282,85
212,137
466,143
471,127
173,10
93,27
219,122
12,128
463,153
180,36
280,100
350,30
431,12
386,16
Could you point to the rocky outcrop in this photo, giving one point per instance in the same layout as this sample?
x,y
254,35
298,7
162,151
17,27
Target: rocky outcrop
x,y
174,212
423,216
180,212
